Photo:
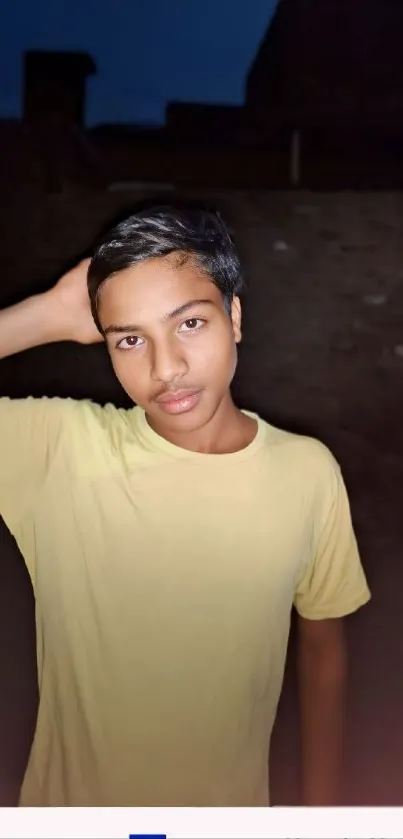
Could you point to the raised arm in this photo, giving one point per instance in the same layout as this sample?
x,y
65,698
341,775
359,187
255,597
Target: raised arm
x,y
61,314
30,428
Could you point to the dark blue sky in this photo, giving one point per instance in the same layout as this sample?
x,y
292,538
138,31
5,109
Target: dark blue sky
x,y
148,52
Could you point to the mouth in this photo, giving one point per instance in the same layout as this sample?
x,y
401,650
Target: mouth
x,y
178,402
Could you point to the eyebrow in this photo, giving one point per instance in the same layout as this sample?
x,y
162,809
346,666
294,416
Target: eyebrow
x,y
114,329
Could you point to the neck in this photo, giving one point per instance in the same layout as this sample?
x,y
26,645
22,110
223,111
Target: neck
x,y
228,431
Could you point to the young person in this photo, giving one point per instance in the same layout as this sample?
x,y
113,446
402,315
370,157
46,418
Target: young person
x,y
168,543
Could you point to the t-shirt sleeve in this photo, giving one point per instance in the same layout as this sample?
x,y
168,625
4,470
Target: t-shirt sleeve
x,y
333,583
29,433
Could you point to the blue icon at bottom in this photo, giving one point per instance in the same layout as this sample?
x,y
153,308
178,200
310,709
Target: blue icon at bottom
x,y
147,836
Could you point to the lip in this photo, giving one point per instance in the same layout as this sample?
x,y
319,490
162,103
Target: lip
x,y
179,402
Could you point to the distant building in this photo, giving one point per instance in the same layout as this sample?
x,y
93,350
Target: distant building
x,y
55,86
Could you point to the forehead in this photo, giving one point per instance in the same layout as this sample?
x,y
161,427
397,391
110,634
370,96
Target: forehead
x,y
153,287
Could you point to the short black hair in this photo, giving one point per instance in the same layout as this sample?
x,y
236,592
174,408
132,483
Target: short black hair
x,y
194,232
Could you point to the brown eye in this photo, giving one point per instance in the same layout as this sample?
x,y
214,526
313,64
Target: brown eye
x,y
192,324
129,343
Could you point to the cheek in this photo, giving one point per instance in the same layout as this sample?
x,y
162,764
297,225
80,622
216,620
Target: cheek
x,y
218,354
127,370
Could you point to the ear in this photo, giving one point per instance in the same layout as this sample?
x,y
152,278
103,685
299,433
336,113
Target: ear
x,y
236,318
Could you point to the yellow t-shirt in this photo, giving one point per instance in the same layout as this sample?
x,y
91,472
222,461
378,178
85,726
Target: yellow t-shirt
x,y
164,583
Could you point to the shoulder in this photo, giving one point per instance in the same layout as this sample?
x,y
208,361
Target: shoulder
x,y
301,452
61,418
305,466
92,424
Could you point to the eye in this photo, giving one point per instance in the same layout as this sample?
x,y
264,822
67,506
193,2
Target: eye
x,y
129,343
192,324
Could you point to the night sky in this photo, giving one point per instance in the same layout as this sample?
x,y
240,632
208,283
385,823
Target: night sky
x,y
148,52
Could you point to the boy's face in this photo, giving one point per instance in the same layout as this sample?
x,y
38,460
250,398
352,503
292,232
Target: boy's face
x,y
171,341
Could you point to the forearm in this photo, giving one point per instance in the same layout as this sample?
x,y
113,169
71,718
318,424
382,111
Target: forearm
x,y
322,681
31,323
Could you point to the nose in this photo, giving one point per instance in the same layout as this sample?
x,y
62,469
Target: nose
x,y
168,362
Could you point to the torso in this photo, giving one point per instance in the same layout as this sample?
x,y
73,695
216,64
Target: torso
x,y
164,589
